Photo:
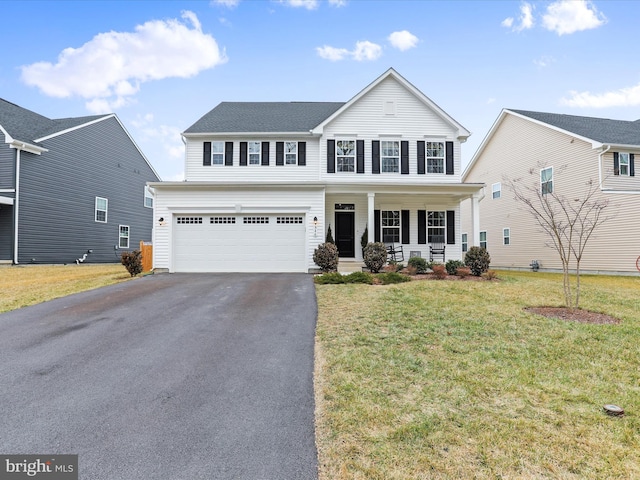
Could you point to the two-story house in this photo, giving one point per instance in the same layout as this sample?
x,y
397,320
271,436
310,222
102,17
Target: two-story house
x,y
557,153
265,181
71,189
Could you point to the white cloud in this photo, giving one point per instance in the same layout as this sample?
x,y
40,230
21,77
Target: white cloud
x,y
227,3
526,20
364,50
624,97
338,3
507,22
491,100
544,61
569,16
308,4
403,40
109,69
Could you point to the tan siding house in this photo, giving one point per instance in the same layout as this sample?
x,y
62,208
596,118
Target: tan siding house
x,y
573,150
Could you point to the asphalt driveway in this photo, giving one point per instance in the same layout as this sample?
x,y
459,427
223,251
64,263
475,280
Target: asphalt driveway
x,y
181,376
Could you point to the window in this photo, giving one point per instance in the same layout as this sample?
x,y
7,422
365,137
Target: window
x,y
483,240
435,157
148,197
496,190
101,209
255,220
291,153
436,227
623,165
254,153
123,236
222,220
391,226
189,220
287,220
464,241
546,180
390,156
346,155
506,236
217,153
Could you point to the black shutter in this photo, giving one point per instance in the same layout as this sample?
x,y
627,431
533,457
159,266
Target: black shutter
x,y
405,226
422,227
632,165
375,156
279,153
206,155
228,153
265,154
243,154
404,157
451,227
331,156
302,153
449,157
421,156
616,164
359,156
376,225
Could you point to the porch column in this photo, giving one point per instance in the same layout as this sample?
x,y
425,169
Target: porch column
x,y
475,220
371,217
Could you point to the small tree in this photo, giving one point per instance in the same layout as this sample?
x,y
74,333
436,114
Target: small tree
x,y
329,238
568,223
478,260
132,261
364,239
375,256
326,257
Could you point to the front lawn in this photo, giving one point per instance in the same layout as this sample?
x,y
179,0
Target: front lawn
x,y
27,285
444,379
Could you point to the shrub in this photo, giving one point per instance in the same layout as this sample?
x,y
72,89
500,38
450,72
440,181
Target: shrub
x,y
452,266
364,239
439,271
410,270
392,277
463,272
490,275
329,238
359,277
332,278
326,256
132,261
375,256
477,259
419,263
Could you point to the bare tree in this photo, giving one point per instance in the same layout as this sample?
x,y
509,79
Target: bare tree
x,y
568,222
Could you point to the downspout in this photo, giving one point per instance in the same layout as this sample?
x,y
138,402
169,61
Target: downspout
x,y
600,166
16,203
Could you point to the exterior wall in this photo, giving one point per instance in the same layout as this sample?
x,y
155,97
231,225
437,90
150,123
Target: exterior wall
x,y
58,191
7,189
195,171
412,121
518,146
7,165
619,183
202,199
6,232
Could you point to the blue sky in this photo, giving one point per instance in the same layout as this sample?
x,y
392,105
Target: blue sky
x,y
161,65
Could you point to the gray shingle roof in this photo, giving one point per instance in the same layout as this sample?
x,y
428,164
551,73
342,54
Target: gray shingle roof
x,y
265,117
603,130
25,125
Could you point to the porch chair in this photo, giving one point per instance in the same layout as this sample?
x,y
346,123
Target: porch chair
x,y
436,250
395,253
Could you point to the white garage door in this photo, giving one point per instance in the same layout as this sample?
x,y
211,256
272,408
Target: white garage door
x,y
239,243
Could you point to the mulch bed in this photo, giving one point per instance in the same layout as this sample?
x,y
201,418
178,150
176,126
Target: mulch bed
x,y
574,315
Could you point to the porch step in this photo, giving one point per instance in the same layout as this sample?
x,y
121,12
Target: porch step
x,y
349,266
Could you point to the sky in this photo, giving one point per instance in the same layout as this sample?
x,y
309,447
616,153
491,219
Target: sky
x,y
161,65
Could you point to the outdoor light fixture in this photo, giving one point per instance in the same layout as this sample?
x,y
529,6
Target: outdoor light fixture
x,y
315,226
161,221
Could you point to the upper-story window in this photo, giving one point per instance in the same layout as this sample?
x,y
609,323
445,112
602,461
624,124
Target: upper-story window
x,y
346,155
291,153
217,153
435,157
102,205
390,156
496,190
546,180
254,152
623,163
148,197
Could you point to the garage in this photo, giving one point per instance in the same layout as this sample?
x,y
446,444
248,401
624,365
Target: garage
x,y
239,243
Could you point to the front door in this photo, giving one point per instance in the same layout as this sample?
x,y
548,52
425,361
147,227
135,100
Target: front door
x,y
345,234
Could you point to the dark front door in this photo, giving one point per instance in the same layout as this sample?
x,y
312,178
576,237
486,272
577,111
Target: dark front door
x,y
345,234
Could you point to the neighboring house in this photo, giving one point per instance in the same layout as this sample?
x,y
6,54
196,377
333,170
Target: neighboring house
x,y
265,181
563,152
69,186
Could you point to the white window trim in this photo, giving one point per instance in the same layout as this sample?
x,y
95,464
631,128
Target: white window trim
x,y
627,164
385,156
223,153
395,227
496,188
249,153
106,210
120,236
486,243
442,227
550,181
464,242
285,152
147,195
428,157
506,236
346,156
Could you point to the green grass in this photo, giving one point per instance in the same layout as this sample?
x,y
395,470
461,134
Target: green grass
x,y
453,379
27,285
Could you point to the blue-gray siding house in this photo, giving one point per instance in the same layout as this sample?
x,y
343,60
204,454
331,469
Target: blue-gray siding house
x,y
71,189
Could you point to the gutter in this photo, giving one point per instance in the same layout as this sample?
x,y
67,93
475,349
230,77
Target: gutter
x,y
602,152
16,206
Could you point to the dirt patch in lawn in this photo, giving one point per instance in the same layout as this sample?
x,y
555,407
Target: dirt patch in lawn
x,y
573,315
